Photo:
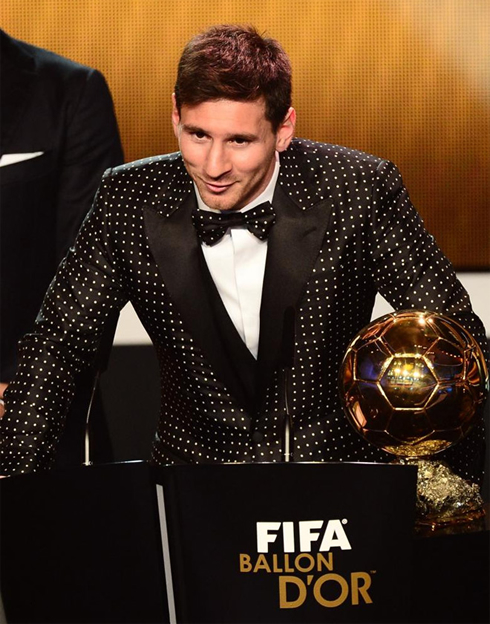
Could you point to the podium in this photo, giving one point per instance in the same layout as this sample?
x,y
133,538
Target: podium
x,y
209,543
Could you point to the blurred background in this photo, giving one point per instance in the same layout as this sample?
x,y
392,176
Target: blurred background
x,y
408,80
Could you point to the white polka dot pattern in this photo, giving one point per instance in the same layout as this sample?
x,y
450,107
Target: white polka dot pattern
x,y
134,245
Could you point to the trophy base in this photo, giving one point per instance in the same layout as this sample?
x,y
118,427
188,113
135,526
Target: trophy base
x,y
446,503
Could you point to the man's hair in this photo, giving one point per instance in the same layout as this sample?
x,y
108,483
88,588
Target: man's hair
x,y
235,63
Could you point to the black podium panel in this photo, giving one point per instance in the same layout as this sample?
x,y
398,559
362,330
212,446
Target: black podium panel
x,y
234,543
289,542
82,545
451,579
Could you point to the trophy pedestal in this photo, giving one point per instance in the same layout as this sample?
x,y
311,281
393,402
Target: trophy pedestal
x,y
445,500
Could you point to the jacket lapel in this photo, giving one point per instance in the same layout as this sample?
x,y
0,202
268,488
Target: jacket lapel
x,y
177,252
294,244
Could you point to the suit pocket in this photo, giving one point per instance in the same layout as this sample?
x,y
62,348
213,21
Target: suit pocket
x,y
26,170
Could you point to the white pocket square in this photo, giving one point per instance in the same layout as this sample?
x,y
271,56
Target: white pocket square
x,y
11,159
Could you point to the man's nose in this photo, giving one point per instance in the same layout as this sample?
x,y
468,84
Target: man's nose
x,y
217,161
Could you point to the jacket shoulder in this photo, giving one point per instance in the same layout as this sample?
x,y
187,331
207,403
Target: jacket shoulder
x,y
149,165
152,181
331,154
49,66
311,171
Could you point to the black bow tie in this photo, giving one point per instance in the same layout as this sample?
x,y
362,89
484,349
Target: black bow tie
x,y
211,226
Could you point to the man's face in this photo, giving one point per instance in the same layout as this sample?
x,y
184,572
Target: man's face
x,y
229,149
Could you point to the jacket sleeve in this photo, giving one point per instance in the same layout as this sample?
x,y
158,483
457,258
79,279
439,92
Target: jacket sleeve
x,y
409,268
412,272
64,340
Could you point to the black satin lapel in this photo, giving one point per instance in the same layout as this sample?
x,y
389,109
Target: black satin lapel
x,y
294,244
17,80
178,254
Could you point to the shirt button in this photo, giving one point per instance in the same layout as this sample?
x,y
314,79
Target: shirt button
x,y
257,436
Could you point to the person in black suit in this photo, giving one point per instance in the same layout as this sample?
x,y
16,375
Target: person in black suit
x,y
213,245
58,135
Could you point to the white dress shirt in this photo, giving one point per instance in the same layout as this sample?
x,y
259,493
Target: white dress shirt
x,y
237,266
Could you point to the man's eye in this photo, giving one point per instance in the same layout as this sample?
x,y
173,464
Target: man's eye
x,y
199,135
240,141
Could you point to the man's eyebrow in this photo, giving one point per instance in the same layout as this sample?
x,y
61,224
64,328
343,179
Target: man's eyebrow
x,y
190,128
243,136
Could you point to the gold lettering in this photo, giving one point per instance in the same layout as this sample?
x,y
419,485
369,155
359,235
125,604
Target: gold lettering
x,y
275,566
311,562
287,567
357,589
245,565
261,564
284,603
320,558
344,590
303,562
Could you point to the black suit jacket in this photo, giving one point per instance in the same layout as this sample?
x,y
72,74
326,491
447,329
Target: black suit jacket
x,y
64,110
345,229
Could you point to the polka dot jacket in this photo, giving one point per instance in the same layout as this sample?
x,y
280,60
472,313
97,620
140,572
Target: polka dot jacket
x,y
345,229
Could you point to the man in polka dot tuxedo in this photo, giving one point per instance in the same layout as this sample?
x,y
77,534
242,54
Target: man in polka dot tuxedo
x,y
324,228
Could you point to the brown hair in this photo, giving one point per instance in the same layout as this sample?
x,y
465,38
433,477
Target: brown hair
x,y
235,63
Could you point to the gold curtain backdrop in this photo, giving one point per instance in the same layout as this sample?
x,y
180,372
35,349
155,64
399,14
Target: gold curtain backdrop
x,y
408,80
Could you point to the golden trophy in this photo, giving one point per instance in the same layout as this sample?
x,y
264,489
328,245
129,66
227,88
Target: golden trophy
x,y
414,383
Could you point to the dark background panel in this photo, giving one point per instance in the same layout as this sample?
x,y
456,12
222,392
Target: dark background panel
x,y
130,389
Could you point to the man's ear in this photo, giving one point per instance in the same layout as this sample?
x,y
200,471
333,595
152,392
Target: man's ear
x,y
285,132
175,117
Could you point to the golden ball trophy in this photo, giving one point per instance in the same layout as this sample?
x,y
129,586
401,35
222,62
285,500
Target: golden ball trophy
x,y
414,383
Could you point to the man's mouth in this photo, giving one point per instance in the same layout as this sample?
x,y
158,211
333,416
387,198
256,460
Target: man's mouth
x,y
213,187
